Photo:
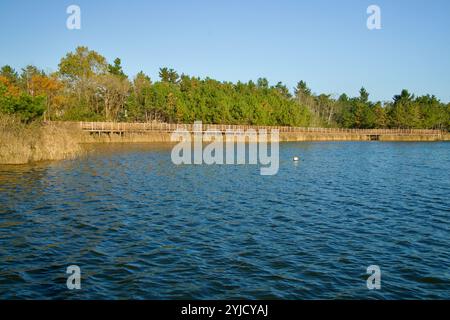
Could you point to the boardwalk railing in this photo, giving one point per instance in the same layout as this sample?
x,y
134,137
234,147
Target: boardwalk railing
x,y
125,127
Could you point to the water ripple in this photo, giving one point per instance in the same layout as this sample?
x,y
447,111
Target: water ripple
x,y
141,228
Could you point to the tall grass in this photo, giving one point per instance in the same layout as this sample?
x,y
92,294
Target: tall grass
x,y
24,143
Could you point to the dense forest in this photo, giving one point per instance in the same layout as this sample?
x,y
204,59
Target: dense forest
x,y
87,87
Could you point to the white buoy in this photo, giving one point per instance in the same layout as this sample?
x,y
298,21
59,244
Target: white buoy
x,y
296,159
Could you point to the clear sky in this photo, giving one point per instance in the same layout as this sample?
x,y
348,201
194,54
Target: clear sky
x,y
325,43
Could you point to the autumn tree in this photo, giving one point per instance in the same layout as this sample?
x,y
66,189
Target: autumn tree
x,y
49,87
26,76
19,103
78,70
10,74
111,93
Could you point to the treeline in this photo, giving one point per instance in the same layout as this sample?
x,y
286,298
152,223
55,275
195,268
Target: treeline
x,y
87,87
404,111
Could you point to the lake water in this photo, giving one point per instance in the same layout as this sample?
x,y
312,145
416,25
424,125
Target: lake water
x,y
140,227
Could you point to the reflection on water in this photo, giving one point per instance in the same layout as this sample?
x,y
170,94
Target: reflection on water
x,y
141,227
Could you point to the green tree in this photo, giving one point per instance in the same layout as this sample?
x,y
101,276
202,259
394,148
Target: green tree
x,y
302,89
262,83
116,69
363,95
28,108
168,75
139,101
381,120
283,90
400,109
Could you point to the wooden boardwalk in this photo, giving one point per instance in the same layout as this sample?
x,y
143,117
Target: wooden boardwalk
x,y
125,127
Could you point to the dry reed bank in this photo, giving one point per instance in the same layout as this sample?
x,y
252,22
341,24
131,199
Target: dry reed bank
x,y
24,143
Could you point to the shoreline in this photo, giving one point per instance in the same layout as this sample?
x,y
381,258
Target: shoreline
x,y
25,144
285,137
161,132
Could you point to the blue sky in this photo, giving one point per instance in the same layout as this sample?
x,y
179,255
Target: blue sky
x,y
325,43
